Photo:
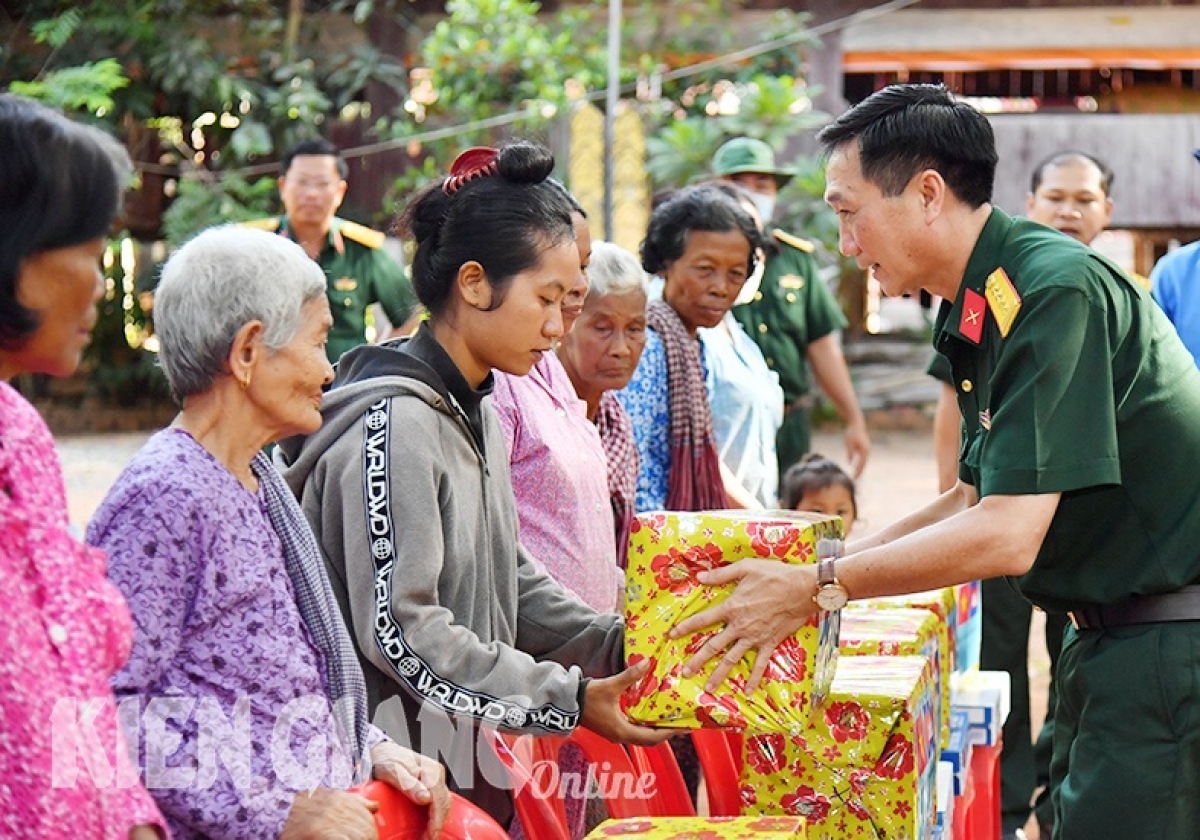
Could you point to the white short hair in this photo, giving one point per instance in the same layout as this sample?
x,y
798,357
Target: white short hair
x,y
217,283
613,271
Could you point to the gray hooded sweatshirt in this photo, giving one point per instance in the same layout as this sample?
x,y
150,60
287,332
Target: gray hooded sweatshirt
x,y
410,497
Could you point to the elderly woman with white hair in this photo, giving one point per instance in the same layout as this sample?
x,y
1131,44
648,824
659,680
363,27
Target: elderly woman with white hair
x,y
254,718
600,355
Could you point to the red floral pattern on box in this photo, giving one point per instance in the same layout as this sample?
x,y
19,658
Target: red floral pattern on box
x,y
863,767
667,551
903,631
702,828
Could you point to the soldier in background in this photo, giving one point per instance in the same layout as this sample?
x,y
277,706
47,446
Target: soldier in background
x,y
793,317
359,272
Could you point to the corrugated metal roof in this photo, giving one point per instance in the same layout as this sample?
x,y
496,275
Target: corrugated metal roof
x,y
964,39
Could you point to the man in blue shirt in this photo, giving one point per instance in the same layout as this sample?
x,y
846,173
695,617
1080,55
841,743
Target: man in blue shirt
x,y
1175,283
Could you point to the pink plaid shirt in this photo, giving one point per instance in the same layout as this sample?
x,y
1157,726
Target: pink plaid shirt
x,y
560,478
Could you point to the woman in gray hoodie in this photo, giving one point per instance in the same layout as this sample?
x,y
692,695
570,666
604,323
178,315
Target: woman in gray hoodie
x,y
407,487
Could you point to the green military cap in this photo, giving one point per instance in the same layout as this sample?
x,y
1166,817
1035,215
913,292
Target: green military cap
x,y
745,154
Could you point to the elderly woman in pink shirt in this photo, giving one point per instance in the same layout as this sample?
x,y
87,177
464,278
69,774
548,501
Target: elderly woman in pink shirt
x,y
64,767
559,471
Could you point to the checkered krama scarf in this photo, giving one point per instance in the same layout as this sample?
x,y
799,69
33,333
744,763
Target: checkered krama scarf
x,y
694,481
321,615
621,456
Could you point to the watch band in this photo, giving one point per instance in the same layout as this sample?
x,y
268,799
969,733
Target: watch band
x,y
825,571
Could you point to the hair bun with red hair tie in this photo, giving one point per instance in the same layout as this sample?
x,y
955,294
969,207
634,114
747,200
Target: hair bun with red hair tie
x,y
476,162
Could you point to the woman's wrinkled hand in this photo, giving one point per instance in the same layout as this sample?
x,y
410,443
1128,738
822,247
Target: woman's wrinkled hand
x,y
417,776
327,814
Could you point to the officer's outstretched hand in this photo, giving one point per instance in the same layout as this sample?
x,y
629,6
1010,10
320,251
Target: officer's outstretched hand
x,y
770,603
602,709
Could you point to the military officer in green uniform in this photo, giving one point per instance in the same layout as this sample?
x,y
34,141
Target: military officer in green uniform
x,y
1070,191
793,317
359,272
1077,476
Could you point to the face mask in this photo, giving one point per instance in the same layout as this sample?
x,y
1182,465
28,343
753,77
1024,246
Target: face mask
x,y
750,287
765,205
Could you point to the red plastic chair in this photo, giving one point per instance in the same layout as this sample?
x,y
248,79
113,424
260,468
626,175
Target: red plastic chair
x,y
621,776
720,754
671,796
399,818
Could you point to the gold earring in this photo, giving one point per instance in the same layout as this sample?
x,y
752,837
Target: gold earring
x,y
245,383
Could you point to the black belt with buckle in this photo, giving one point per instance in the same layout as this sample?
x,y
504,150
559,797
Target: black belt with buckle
x,y
1180,605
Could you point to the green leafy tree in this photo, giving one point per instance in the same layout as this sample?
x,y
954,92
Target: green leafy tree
x,y
202,90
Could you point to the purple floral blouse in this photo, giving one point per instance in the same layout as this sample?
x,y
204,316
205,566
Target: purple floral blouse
x,y
234,709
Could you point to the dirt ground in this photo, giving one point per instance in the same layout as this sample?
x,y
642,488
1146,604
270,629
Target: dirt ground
x,y
899,477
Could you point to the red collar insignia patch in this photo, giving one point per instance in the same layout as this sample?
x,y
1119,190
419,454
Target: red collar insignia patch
x,y
973,311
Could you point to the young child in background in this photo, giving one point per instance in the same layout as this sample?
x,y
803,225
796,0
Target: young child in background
x,y
817,484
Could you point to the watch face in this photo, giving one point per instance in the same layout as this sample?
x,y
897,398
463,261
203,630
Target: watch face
x,y
830,598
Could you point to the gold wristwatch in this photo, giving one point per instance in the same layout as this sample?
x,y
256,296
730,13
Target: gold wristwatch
x,y
831,594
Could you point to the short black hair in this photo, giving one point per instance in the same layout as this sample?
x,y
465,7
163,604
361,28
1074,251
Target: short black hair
x,y
902,130
1058,158
319,147
703,207
503,221
813,472
60,185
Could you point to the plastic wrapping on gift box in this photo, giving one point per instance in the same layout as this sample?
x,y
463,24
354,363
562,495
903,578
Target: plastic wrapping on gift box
x,y
903,631
701,828
666,552
942,602
866,765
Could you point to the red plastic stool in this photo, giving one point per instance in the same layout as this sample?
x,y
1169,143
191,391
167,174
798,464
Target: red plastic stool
x,y
399,818
962,809
984,813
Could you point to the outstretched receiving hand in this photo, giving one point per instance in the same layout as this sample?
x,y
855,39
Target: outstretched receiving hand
x,y
603,715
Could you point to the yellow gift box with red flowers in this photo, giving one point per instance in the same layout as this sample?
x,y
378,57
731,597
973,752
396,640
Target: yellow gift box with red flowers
x,y
866,765
941,602
904,632
958,606
701,828
666,552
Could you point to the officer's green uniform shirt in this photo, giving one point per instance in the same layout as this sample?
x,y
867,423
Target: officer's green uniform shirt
x,y
1091,394
791,310
358,273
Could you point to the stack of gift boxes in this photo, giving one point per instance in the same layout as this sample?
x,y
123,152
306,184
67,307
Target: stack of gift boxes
x,y
855,711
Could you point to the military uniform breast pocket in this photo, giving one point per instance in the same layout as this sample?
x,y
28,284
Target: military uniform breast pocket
x,y
345,291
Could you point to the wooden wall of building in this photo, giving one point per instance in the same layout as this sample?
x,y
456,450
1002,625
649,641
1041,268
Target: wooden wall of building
x,y
1156,180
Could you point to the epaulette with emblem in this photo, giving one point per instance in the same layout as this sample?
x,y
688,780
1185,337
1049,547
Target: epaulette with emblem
x,y
363,235
795,241
271,224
